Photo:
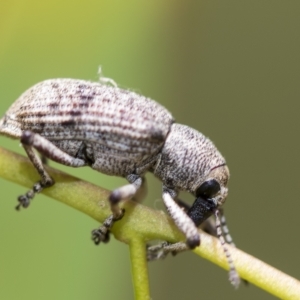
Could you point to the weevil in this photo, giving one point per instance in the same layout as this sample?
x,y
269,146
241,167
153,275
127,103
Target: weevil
x,y
118,132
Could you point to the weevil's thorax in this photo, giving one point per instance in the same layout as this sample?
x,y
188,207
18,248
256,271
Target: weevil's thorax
x,y
188,158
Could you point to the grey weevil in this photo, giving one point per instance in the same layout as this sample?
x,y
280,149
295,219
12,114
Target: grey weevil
x,y
118,132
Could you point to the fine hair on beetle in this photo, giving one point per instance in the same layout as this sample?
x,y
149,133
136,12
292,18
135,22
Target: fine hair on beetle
x,y
119,132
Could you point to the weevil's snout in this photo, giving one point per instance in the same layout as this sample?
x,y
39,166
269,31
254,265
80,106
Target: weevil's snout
x,y
206,202
210,195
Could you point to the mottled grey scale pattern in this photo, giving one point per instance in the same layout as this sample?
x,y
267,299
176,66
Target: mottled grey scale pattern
x,y
120,128
191,152
93,112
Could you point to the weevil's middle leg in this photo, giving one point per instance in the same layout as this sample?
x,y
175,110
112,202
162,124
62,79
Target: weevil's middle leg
x,y
125,192
181,219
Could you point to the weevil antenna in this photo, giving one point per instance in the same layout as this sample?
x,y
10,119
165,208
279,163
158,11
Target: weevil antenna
x,y
234,278
225,230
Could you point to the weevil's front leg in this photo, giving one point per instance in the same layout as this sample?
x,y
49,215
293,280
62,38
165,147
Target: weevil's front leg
x,y
160,251
125,192
181,219
32,141
183,222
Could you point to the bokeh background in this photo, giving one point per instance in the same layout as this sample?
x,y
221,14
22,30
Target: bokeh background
x,y
227,68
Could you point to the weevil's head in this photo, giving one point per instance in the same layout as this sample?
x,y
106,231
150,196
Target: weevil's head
x,y
190,161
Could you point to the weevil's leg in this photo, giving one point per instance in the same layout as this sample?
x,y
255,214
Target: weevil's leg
x,y
183,222
125,192
48,149
181,219
162,250
46,180
30,141
234,278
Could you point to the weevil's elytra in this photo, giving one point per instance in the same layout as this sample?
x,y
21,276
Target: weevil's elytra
x,y
118,132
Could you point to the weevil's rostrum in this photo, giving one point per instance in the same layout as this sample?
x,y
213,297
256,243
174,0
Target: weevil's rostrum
x,y
118,132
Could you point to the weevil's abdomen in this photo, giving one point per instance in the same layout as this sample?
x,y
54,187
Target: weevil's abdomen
x,y
77,110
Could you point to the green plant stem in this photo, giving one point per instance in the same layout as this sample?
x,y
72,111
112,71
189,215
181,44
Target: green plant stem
x,y
139,269
141,224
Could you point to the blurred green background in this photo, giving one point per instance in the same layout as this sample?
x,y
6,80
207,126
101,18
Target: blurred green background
x,y
227,68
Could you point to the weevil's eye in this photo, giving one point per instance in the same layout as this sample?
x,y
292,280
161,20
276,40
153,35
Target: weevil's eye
x,y
208,189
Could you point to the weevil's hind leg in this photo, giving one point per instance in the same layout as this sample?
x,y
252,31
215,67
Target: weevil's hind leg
x,y
46,180
125,192
32,141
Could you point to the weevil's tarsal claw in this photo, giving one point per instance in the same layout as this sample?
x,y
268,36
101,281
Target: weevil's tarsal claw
x,y
102,233
24,200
